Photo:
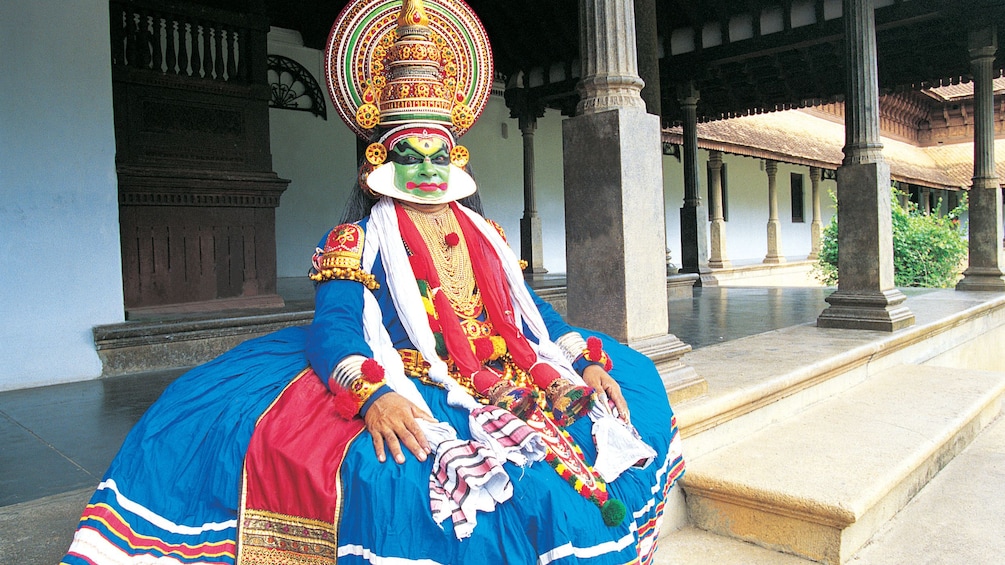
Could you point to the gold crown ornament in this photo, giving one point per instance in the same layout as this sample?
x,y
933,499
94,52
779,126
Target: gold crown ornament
x,y
422,67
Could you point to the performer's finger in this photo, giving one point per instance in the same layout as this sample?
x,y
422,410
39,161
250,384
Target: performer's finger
x,y
417,432
602,397
378,447
619,401
422,414
410,441
394,446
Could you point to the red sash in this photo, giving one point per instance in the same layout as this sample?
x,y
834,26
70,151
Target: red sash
x,y
491,281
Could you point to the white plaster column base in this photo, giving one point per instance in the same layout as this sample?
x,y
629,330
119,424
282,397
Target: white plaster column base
x,y
531,245
774,256
816,240
717,236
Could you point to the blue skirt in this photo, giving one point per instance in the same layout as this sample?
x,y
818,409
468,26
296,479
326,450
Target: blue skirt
x,y
176,490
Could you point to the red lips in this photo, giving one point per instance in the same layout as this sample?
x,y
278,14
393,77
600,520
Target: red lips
x,y
427,186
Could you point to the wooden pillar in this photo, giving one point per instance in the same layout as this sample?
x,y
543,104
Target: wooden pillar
x,y
925,200
531,244
866,297
615,224
816,225
774,255
693,216
717,232
985,271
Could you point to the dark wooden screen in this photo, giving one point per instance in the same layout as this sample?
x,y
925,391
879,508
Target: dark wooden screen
x,y
197,194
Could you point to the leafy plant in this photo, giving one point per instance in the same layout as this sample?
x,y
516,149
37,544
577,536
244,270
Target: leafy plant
x,y
928,250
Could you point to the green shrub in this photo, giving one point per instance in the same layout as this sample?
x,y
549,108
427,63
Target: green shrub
x,y
928,250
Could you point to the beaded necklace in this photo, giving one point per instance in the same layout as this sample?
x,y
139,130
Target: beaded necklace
x,y
452,262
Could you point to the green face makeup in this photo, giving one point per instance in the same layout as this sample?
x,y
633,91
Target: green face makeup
x,y
421,167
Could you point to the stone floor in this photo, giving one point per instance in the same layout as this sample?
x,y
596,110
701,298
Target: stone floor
x,y
58,440
73,430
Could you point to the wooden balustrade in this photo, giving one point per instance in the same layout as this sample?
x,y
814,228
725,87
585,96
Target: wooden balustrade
x,y
185,40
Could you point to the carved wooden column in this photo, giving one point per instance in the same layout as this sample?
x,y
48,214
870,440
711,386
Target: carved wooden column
x,y
774,255
866,297
816,226
986,257
925,200
904,197
527,108
693,216
717,232
615,227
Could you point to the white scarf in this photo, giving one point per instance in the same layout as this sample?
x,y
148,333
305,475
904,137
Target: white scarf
x,y
383,235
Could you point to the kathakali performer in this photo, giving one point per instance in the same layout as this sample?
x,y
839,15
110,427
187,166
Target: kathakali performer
x,y
436,410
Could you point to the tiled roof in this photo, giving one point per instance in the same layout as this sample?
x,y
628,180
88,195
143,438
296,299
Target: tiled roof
x,y
961,90
800,137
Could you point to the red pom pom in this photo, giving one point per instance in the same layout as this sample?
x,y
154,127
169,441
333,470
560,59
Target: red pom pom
x,y
483,348
543,375
594,347
452,239
346,404
372,371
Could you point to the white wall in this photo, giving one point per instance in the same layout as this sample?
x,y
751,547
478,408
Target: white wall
x,y
60,270
317,156
747,197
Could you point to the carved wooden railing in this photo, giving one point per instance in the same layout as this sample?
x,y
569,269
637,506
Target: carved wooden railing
x,y
185,40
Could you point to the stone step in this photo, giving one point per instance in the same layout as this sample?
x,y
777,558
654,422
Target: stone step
x,y
143,346
185,340
691,546
761,379
966,499
821,483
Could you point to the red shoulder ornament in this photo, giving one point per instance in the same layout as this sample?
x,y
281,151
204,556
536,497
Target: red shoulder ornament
x,y
342,257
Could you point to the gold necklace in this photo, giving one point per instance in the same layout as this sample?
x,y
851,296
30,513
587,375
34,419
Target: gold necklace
x,y
452,262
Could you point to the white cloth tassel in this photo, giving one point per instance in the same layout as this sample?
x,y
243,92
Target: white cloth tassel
x,y
509,437
466,479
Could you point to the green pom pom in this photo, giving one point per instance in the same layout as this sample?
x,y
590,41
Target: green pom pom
x,y
613,511
441,346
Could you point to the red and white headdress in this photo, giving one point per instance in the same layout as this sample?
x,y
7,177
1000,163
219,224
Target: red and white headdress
x,y
402,67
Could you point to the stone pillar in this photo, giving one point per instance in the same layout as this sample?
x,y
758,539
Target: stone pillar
x,y
925,200
774,255
693,216
615,225
985,271
866,297
531,245
717,232
816,226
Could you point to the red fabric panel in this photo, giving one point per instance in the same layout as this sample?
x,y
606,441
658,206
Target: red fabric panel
x,y
295,450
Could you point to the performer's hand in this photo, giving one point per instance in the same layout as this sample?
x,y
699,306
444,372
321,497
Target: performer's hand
x,y
607,388
391,421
